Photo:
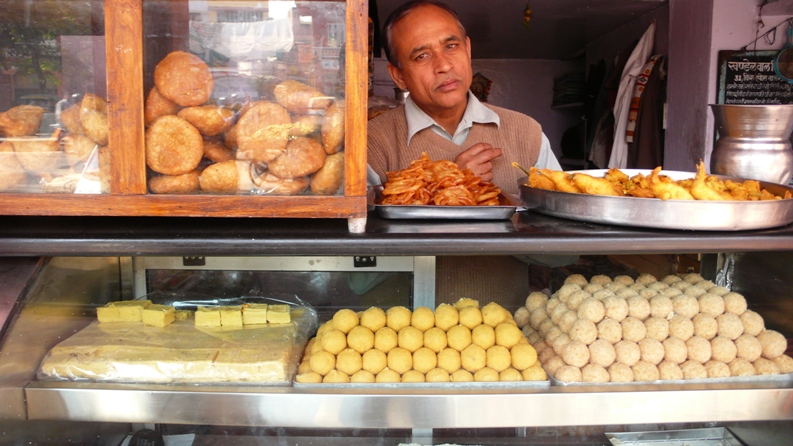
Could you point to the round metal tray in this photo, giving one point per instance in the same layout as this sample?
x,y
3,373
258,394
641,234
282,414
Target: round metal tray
x,y
655,213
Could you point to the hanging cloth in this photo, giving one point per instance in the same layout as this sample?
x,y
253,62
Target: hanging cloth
x,y
633,67
638,89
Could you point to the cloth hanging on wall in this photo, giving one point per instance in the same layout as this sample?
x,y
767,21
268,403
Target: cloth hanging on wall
x,y
634,65
638,89
647,149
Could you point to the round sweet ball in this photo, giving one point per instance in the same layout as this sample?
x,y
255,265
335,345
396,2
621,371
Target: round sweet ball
x,y
397,318
765,366
785,363
424,360
385,339
387,376
304,366
374,361
576,353
594,373
679,285
592,309
509,375
600,279
668,371
413,376
685,305
693,278
730,325
333,341
671,278
523,356
670,292
325,327
349,361
322,362
535,300
633,329
344,320
693,370
734,303
336,376
648,294
753,323
316,346
566,290
577,279
308,378
646,279
544,355
569,374
681,328
473,358
534,373
466,302
400,360
575,299
449,359
627,352
699,349
705,326
741,367
616,307
645,371
625,293
624,280
657,328
435,339
610,330
461,376
774,344
486,374
718,290
717,369
459,337
541,346
556,314
373,318
584,330
470,317
592,288
614,287
360,339
437,375
620,373
536,318
534,338
706,284
560,343
447,316
723,349
638,307
652,350
602,294
601,352
362,376
711,304
657,286
694,291
410,338
508,335
521,316
675,350
553,364
422,318
498,358
567,320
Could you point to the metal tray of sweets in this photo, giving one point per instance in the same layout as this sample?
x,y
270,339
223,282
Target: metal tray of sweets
x,y
714,436
512,385
698,215
782,379
504,211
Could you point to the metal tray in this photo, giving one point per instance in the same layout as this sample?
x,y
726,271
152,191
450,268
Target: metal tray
x,y
654,213
397,212
714,436
756,379
445,386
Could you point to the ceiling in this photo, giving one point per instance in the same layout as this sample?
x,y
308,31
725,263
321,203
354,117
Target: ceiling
x,y
558,28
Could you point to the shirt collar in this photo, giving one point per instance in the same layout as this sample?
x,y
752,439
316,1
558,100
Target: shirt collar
x,y
475,111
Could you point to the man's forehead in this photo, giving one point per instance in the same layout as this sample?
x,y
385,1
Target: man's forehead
x,y
418,29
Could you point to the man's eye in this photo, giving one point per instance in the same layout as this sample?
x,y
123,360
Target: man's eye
x,y
452,46
421,57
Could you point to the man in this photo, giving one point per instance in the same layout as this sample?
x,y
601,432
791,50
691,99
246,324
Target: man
x,y
429,54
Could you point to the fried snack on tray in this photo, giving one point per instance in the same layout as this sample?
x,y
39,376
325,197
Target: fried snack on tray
x,y
655,185
440,183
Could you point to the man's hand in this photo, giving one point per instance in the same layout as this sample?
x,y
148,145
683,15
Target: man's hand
x,y
478,158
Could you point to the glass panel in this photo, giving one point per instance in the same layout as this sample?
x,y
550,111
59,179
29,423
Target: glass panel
x,y
53,121
244,97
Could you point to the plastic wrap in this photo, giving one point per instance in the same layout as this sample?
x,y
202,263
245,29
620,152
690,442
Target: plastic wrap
x,y
131,352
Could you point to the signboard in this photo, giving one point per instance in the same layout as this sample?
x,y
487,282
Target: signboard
x,y
748,77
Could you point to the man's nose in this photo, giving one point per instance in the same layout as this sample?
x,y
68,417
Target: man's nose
x,y
443,62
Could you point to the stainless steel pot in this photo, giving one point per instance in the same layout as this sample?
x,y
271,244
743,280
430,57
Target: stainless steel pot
x,y
754,142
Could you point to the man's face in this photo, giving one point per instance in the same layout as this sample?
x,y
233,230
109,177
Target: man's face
x,y
435,60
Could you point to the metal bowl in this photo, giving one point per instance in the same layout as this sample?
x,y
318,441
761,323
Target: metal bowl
x,y
655,213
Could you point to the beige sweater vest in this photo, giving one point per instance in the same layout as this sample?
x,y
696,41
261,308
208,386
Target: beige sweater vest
x,y
519,137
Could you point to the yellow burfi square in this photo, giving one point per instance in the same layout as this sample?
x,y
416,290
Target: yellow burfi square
x,y
130,310
254,314
231,316
278,314
108,314
207,317
158,315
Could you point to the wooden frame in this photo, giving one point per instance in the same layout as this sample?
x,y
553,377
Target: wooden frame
x,y
125,96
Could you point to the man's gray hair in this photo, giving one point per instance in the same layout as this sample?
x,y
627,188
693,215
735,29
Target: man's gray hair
x,y
399,13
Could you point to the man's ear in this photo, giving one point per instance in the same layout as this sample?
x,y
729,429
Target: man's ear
x,y
468,45
396,76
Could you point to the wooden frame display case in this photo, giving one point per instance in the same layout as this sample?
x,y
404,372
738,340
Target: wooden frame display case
x,y
128,194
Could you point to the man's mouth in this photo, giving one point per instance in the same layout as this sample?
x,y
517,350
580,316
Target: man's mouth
x,y
448,85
